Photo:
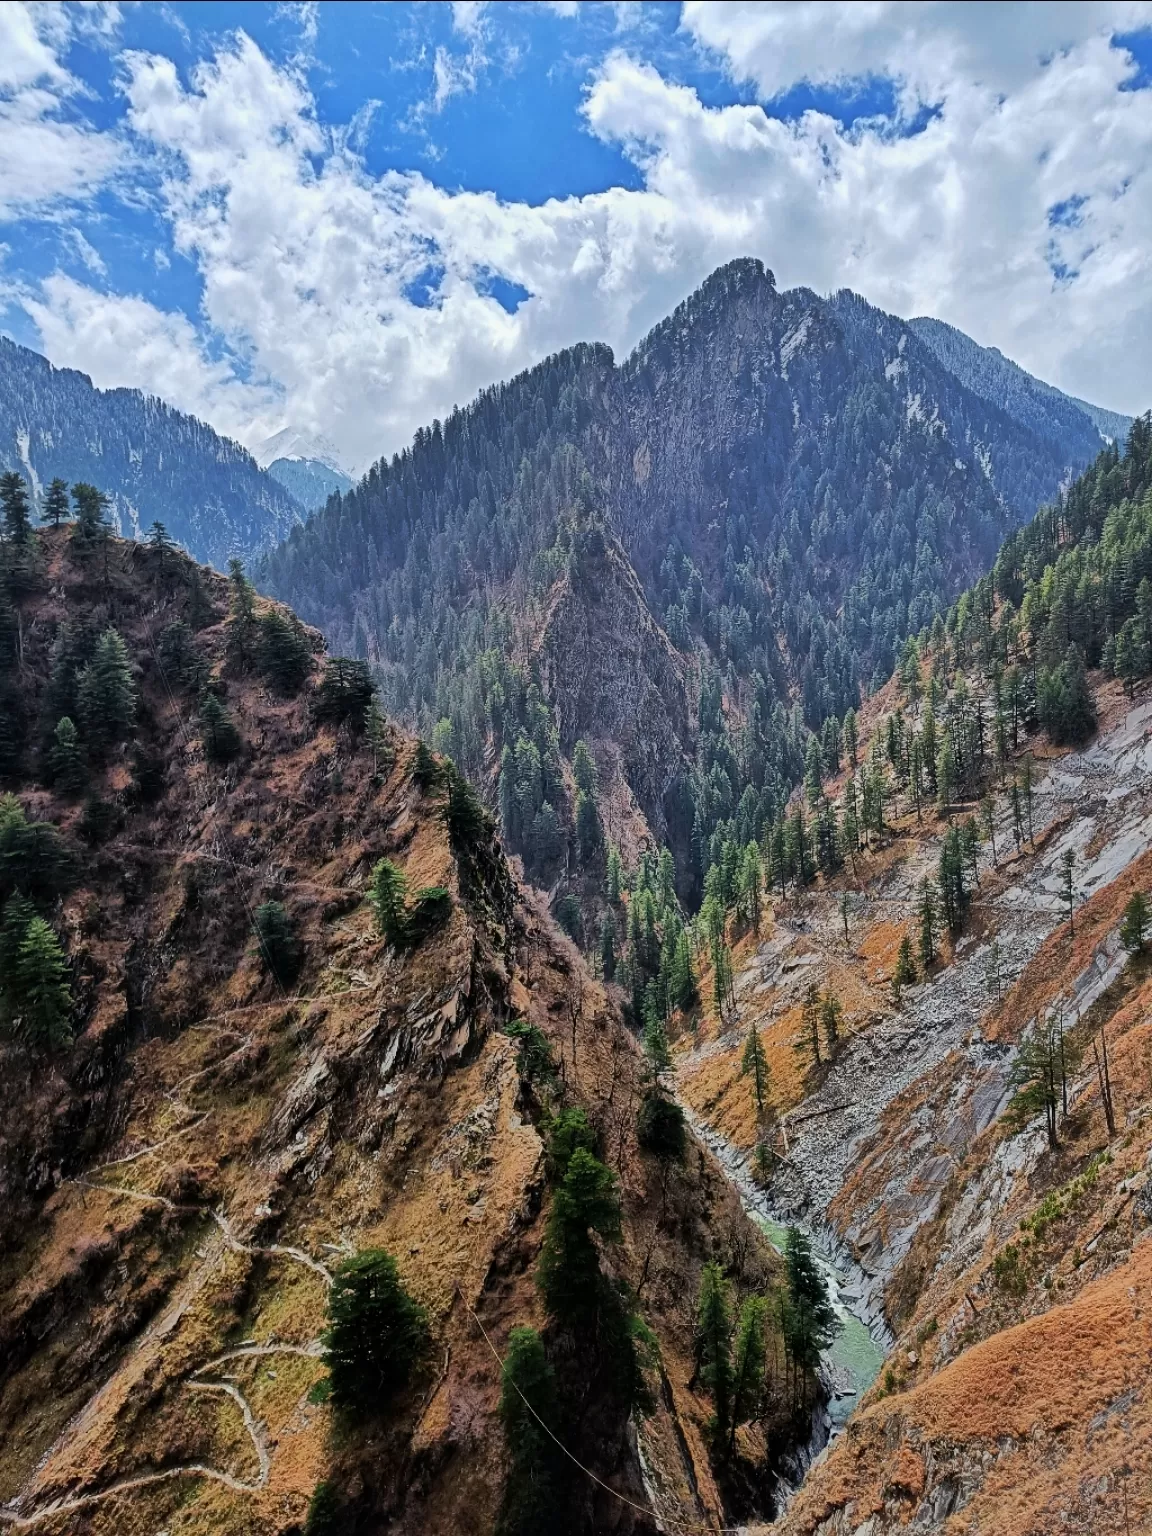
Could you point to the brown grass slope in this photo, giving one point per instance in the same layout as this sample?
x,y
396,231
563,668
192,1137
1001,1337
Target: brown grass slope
x,y
178,1184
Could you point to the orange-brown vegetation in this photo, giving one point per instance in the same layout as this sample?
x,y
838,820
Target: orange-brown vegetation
x,y
180,1183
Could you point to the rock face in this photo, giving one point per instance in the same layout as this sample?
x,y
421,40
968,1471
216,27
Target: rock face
x,y
611,674
797,483
177,1185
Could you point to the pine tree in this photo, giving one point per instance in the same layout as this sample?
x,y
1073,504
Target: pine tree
x,y
1068,866
812,1322
656,1048
242,613
1134,928
280,949
928,922
218,733
39,996
376,1332
14,500
66,765
831,1012
614,878
568,1272
377,740
714,1347
161,543
754,1064
749,1357
608,947
106,694
283,653
528,1395
810,1026
91,526
387,898
56,503
850,737
905,972
682,991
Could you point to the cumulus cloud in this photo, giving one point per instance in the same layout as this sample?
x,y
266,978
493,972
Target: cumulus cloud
x,y
359,307
44,155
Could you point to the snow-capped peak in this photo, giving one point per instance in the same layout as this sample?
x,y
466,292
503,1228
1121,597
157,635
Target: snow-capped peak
x,y
290,443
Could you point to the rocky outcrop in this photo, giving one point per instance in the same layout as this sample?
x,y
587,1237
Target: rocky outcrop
x,y
611,674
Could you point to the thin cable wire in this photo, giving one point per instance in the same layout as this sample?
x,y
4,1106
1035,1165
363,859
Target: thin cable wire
x,y
643,1509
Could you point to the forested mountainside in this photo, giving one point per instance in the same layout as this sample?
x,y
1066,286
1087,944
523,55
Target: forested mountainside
x,y
155,464
319,1144
310,481
1043,408
760,503
931,1044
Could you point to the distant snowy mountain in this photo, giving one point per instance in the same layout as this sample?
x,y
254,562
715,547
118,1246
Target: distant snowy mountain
x,y
307,466
154,463
1028,400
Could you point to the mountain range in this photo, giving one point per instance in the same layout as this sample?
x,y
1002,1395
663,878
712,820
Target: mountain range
x,y
307,467
756,507
154,463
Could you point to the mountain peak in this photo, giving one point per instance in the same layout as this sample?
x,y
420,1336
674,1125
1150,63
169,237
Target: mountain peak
x,y
290,442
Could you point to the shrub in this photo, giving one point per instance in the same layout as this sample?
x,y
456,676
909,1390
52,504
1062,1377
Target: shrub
x,y
325,1517
376,1331
431,908
533,1053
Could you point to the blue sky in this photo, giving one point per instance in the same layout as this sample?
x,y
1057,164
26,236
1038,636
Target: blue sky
x,y
347,218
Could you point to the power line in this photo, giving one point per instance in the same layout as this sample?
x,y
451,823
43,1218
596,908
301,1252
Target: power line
x,y
643,1509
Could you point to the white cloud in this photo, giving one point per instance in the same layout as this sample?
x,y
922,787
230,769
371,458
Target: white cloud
x,y
44,157
125,341
312,269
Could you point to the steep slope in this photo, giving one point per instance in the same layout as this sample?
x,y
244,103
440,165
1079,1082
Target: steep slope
x,y
154,463
1043,408
970,1130
797,483
182,1173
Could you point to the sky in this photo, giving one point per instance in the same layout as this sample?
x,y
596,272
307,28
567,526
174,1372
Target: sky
x,y
348,218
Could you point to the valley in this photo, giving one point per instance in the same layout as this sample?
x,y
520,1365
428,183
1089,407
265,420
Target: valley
x,y
634,1022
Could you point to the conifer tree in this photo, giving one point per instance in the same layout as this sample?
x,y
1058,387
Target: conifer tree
x,y
1134,928
831,1012
161,543
928,923
656,1048
56,503
376,1332
39,996
91,525
283,653
810,1026
106,694
376,738
608,947
568,1272
387,897
280,949
242,612
749,1356
1068,867
714,1347
14,500
528,1395
614,877
905,972
754,1064
66,765
218,733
